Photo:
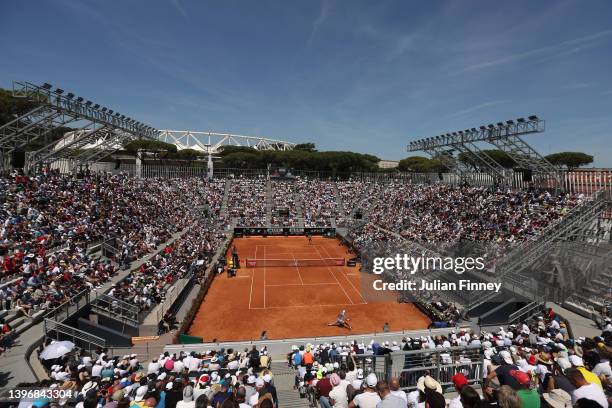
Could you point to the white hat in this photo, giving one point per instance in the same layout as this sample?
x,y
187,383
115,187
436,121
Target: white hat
x,y
259,382
558,398
432,384
427,381
506,356
89,386
576,361
141,392
371,380
267,378
251,379
162,376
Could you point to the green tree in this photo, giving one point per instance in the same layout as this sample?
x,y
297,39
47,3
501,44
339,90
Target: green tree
x,y
411,163
11,107
420,164
308,147
571,160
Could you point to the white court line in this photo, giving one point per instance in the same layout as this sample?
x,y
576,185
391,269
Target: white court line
x,y
252,279
348,280
341,287
264,289
298,269
311,306
303,284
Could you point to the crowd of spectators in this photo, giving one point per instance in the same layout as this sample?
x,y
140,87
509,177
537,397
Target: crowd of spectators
x,y
531,365
49,221
216,378
247,202
420,212
439,212
191,253
357,195
286,203
320,205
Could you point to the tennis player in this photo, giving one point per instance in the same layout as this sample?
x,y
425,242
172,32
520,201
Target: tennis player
x,y
342,320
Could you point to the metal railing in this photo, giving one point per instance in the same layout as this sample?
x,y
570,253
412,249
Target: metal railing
x,y
116,309
173,293
60,331
68,308
441,364
482,299
380,365
525,312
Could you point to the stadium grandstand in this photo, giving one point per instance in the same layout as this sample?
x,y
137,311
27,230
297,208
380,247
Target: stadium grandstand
x,y
126,281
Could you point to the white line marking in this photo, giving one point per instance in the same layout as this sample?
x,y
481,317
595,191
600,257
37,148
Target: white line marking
x,y
341,287
302,284
296,306
297,268
348,280
264,289
252,279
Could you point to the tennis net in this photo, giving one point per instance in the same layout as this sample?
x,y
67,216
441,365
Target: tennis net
x,y
258,263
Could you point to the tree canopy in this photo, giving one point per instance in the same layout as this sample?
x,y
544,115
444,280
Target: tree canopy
x,y
571,160
420,164
308,147
307,158
154,146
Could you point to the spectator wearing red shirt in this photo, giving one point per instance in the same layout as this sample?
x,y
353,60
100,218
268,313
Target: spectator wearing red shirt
x,y
324,387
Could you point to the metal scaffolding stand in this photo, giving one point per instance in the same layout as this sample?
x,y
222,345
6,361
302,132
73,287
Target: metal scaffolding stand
x,y
505,136
100,131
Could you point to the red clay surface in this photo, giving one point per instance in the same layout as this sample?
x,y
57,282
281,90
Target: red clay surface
x,y
291,301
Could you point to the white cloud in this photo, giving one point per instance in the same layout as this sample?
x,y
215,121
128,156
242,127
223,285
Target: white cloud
x,y
552,51
321,18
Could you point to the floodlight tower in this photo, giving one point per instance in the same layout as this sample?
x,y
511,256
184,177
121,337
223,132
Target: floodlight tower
x,y
505,136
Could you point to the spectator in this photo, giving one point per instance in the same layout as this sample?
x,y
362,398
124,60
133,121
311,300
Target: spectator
x,y
369,398
584,389
388,400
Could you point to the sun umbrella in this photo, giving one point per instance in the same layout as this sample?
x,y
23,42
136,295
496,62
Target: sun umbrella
x,y
56,350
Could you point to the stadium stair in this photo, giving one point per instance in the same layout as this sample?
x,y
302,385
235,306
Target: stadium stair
x,y
225,196
268,203
284,380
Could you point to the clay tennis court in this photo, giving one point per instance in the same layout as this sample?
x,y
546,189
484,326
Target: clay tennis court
x,y
292,301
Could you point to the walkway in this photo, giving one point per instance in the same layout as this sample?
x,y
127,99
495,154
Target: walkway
x,y
284,379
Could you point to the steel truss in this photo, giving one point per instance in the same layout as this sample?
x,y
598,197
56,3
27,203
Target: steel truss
x,y
213,142
504,136
100,130
572,230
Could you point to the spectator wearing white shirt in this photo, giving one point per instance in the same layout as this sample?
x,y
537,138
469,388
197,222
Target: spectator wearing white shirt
x,y
394,385
369,398
584,389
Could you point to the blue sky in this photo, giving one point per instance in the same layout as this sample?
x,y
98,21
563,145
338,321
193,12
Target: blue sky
x,y
348,75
